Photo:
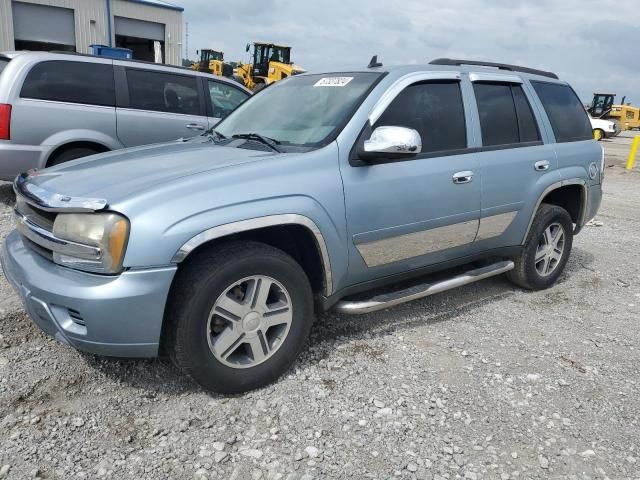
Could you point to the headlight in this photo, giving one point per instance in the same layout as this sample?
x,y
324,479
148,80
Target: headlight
x,y
107,231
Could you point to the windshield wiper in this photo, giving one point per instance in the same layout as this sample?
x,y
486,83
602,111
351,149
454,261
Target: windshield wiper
x,y
270,142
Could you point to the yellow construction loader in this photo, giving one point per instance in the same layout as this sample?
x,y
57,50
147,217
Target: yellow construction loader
x,y
270,63
212,61
623,115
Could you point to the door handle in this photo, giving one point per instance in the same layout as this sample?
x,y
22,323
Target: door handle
x,y
194,126
541,166
463,177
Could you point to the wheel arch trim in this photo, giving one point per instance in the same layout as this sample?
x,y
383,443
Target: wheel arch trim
x,y
257,223
555,186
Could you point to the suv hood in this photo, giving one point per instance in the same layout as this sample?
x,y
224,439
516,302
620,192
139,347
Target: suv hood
x,y
117,175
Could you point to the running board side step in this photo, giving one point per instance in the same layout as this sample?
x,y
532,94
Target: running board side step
x,y
386,300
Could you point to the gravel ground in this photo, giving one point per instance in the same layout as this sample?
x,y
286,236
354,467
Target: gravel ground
x,y
487,381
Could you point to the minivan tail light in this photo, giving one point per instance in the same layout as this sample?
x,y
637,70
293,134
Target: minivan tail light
x,y
5,121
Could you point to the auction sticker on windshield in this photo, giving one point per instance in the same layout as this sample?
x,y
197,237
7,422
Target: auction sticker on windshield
x,y
333,82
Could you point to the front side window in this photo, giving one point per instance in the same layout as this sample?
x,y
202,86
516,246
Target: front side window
x,y
163,92
303,111
568,117
224,98
71,82
435,110
505,114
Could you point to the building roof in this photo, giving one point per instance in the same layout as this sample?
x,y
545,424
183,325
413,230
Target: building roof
x,y
159,3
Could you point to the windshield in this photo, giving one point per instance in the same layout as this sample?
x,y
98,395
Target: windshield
x,y
304,111
3,63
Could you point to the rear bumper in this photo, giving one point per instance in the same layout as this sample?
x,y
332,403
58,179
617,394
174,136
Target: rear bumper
x,y
118,316
15,159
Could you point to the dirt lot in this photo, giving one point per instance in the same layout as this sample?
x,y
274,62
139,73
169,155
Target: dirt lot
x,y
487,381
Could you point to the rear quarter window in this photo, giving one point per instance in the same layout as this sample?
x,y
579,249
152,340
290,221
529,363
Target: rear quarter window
x,y
71,82
568,117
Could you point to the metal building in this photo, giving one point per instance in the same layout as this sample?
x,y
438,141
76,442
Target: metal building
x,y
152,29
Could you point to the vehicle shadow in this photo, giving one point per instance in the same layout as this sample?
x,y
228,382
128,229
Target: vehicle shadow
x,y
7,195
330,330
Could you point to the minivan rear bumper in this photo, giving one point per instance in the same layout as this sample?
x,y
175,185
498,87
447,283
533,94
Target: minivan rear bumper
x,y
119,316
15,159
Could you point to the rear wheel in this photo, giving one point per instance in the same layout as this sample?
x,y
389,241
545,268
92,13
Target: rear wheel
x,y
71,154
239,316
546,249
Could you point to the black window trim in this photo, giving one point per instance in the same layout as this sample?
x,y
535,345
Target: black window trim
x,y
563,84
207,101
109,64
367,129
202,110
504,146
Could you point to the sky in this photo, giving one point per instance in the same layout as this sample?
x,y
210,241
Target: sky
x,y
592,44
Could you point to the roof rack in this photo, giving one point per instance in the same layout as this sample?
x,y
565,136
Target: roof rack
x,y
501,66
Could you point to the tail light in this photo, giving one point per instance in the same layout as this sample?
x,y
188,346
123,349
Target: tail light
x,y
5,121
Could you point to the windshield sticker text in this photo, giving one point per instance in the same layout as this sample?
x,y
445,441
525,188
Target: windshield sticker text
x,y
333,82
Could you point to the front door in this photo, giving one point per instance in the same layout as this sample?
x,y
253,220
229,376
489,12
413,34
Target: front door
x,y
161,107
407,213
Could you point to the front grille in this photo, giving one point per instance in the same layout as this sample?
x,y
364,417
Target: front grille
x,y
45,252
35,215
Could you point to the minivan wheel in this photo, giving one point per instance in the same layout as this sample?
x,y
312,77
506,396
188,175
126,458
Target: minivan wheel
x,y
71,154
546,249
239,316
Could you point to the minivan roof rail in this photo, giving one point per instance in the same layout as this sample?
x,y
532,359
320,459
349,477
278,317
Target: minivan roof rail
x,y
501,66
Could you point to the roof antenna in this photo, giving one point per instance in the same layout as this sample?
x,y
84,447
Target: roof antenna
x,y
373,63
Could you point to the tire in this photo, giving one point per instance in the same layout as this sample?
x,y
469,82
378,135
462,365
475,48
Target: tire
x,y
598,134
71,154
527,272
198,325
259,86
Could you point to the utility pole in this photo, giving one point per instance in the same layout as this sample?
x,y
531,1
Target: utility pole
x,y
186,43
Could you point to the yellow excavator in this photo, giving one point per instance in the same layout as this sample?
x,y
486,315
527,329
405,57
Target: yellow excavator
x,y
270,63
212,61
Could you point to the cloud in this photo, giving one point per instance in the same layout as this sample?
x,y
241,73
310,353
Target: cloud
x,y
590,43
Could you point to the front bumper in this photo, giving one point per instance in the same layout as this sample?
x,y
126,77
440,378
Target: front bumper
x,y
119,316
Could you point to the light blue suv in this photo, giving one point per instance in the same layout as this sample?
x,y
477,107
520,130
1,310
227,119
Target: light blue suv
x,y
219,249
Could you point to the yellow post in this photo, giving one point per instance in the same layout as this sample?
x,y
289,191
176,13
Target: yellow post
x,y
633,152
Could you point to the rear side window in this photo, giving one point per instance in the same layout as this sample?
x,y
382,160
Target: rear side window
x,y
505,115
566,114
163,92
72,82
435,110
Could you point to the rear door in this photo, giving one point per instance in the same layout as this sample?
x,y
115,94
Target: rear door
x,y
512,156
156,106
222,99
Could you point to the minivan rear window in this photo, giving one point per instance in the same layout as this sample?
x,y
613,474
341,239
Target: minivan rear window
x,y
568,117
71,82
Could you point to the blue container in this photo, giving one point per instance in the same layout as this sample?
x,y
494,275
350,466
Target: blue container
x,y
112,52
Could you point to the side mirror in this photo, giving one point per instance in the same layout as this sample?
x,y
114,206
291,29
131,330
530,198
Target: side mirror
x,y
197,52
391,142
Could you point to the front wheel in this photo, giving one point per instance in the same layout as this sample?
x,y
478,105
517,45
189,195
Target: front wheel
x,y
546,249
239,316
